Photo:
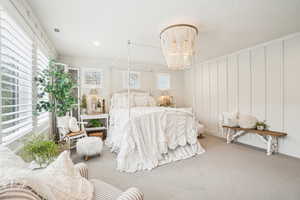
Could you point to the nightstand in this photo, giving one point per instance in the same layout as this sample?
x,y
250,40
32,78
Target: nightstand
x,y
104,119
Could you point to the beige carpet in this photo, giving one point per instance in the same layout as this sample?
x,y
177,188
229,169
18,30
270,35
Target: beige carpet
x,y
225,171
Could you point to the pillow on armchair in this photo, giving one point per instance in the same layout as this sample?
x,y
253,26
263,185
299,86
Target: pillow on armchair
x,y
66,182
60,180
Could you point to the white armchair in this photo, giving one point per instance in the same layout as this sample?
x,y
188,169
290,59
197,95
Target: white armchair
x,y
70,130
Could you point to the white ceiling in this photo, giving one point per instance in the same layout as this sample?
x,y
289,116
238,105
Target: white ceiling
x,y
224,26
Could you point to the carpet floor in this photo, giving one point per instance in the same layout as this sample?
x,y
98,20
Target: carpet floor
x,y
225,171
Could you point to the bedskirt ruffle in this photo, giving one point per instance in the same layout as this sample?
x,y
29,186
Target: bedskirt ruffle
x,y
133,164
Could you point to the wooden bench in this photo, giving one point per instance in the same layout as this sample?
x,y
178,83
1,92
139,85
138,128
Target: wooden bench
x,y
270,138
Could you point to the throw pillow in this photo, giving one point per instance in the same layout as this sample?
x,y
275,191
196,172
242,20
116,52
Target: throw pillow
x,y
247,121
73,125
230,119
64,180
140,100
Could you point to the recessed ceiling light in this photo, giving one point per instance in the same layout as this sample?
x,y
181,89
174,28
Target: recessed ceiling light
x,y
56,30
96,43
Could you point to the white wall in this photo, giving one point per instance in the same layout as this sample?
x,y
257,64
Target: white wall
x,y
113,77
263,81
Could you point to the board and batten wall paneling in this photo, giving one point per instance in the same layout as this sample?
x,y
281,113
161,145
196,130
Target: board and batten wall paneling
x,y
232,89
258,63
263,81
245,92
274,90
292,95
222,87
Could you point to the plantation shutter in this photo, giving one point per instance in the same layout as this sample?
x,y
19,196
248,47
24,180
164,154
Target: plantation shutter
x,y
16,79
42,64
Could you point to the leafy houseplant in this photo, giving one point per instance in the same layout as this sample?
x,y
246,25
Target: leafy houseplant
x,y
42,151
261,125
58,84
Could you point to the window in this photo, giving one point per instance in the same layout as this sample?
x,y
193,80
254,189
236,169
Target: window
x,y
163,81
42,64
16,79
134,80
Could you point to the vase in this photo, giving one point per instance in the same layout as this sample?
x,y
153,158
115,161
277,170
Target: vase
x,y
261,128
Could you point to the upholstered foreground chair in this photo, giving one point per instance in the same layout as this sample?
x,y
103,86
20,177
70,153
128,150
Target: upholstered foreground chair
x,y
102,190
18,189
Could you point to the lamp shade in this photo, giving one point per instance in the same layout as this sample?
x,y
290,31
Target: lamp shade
x,y
178,43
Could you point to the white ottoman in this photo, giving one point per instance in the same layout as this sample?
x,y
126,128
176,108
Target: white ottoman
x,y
89,146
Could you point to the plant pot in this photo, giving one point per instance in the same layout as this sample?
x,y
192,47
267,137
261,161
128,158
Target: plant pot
x,y
261,128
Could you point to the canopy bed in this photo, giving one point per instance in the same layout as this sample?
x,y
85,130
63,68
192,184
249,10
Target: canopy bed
x,y
144,135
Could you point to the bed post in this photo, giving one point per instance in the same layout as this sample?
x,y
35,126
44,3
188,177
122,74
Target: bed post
x,y
128,74
193,89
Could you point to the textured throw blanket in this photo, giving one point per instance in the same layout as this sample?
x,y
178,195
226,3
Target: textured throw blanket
x,y
157,138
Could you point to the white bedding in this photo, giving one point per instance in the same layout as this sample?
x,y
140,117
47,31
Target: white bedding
x,y
154,136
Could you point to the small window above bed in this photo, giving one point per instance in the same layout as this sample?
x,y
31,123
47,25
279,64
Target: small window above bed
x,y
134,80
163,81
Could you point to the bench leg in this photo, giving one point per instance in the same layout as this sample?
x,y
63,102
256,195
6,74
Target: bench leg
x,y
228,135
272,145
269,146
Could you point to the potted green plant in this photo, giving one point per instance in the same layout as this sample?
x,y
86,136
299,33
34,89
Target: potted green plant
x,y
261,125
94,123
41,151
58,85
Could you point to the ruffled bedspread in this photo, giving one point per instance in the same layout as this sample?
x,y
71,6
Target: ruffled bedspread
x,y
154,136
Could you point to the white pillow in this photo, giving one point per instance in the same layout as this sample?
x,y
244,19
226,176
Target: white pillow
x,y
247,121
141,100
121,100
15,172
64,181
10,159
230,119
73,125
151,101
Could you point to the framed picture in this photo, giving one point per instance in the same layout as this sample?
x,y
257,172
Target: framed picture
x,y
93,78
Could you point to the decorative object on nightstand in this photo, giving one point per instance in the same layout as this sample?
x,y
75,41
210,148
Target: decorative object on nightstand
x,y
95,104
165,99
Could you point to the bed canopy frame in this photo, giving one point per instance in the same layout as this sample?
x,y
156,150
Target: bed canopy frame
x,y
130,45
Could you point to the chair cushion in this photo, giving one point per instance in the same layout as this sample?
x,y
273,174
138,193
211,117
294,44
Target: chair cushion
x,y
73,125
72,134
104,191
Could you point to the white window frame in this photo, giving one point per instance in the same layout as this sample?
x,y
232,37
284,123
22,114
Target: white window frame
x,y
36,43
136,85
158,81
